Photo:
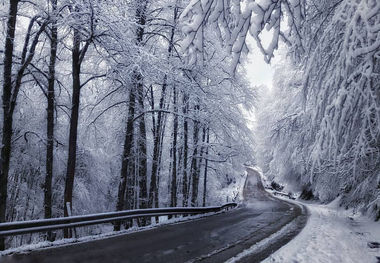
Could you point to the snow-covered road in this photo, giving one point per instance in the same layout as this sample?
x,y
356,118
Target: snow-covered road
x,y
246,234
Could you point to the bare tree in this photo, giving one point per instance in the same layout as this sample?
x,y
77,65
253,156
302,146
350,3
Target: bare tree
x,y
78,53
50,116
11,88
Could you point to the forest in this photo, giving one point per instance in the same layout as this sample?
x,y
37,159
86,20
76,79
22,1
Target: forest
x,y
115,105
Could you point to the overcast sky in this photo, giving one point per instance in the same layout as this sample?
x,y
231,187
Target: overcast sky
x,y
259,72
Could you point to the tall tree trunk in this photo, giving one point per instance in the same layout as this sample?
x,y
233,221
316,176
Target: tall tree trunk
x,y
170,168
50,119
128,142
142,175
131,197
185,186
173,198
152,108
10,92
156,149
141,20
69,184
194,164
205,172
197,172
159,130
162,135
8,116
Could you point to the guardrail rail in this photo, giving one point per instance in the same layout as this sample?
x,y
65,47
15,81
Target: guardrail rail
x,y
42,225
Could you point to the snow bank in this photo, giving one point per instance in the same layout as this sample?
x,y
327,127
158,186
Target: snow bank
x,y
332,235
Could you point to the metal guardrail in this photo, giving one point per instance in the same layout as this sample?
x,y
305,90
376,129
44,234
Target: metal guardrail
x,y
42,225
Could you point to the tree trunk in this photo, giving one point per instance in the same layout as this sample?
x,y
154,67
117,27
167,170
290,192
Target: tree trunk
x,y
141,20
159,131
50,120
205,173
11,89
185,190
194,165
142,175
8,116
170,169
156,149
131,197
162,134
69,184
196,173
128,141
173,202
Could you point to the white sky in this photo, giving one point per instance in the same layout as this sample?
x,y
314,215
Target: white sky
x,y
259,72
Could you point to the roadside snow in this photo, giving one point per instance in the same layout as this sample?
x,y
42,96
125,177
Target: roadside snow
x,y
263,244
332,235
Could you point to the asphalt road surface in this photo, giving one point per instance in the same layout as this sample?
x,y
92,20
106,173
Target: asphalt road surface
x,y
215,238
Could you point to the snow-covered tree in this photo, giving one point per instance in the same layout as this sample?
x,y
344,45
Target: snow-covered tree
x,y
336,80
102,76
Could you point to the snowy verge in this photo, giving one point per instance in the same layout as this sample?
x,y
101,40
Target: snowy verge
x,y
266,242
68,241
332,235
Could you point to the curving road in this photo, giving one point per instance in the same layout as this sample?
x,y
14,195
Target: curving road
x,y
217,238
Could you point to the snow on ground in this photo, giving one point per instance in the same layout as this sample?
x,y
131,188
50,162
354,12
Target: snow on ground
x,y
332,235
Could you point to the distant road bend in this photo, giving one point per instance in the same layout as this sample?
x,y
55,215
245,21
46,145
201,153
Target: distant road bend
x,y
249,233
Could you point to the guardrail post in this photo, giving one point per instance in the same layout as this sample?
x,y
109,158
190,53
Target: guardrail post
x,y
68,207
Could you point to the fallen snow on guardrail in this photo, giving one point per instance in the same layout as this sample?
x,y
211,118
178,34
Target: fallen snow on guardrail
x,y
332,235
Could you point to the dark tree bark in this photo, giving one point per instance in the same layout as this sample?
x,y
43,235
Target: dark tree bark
x,y
10,93
137,84
71,161
131,197
170,167
7,117
142,174
143,195
77,55
205,172
194,164
128,142
173,199
160,129
162,134
50,119
152,107
153,188
185,186
196,174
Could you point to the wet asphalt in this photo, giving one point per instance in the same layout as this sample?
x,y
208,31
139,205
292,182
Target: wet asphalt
x,y
216,238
